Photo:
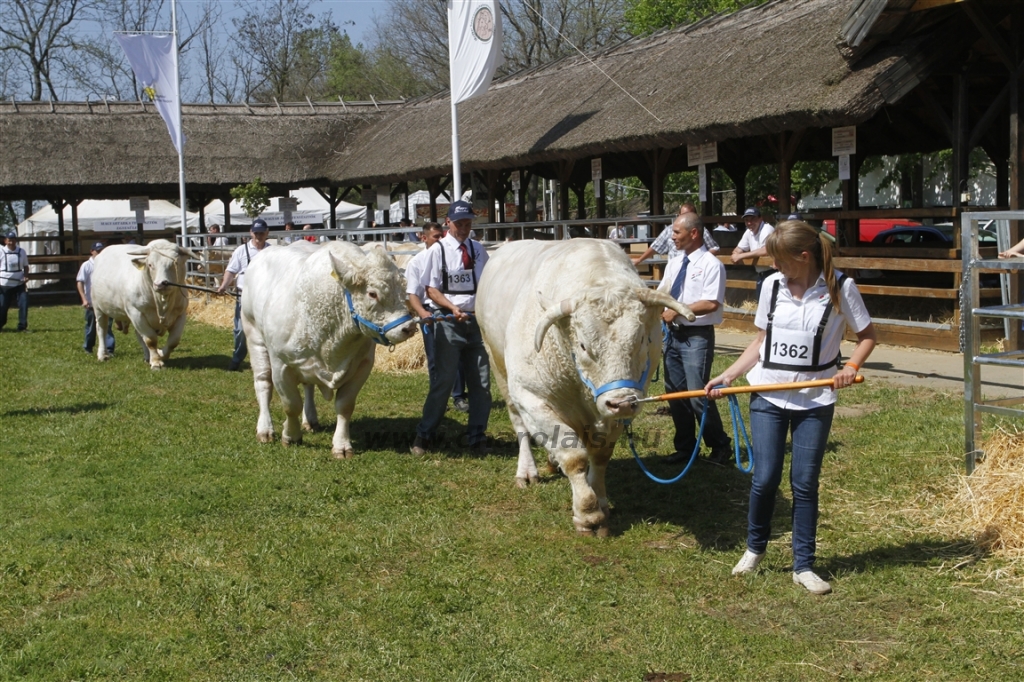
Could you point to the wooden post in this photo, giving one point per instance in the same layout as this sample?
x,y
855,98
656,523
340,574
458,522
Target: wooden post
x,y
58,206
602,206
848,230
202,213
492,195
74,226
226,200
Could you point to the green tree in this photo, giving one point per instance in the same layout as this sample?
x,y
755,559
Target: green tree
x,y
647,16
254,197
356,72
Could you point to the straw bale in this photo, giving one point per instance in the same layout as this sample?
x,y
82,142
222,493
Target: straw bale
x,y
989,504
218,311
405,358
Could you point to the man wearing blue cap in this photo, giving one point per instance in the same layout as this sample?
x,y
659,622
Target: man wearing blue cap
x,y
751,245
450,274
84,284
234,274
13,277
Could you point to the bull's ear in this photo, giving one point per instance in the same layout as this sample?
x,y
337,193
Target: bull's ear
x,y
139,262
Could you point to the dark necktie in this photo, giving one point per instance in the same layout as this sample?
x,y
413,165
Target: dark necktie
x,y
466,262
677,285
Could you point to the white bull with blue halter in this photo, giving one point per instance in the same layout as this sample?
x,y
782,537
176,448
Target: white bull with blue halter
x,y
572,333
312,315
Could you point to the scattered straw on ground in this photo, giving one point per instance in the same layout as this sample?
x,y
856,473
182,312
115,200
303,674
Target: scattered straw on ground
x,y
990,501
218,311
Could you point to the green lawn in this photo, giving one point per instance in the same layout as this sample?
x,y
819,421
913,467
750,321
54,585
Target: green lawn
x,y
146,535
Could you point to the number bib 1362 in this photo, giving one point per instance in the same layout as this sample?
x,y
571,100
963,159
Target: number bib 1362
x,y
790,347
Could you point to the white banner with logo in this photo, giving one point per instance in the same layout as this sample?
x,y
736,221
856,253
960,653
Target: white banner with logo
x,y
474,46
127,225
152,59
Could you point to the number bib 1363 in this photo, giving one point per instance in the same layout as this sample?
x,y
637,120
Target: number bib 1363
x,y
461,282
790,347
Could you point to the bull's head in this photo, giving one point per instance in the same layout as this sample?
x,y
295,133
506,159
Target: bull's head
x,y
375,295
609,336
163,262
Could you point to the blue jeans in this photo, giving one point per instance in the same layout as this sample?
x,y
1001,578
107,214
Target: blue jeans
x,y
90,332
761,277
688,356
458,345
459,389
769,426
14,296
240,347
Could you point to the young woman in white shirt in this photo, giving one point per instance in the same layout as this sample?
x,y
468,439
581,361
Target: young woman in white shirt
x,y
802,313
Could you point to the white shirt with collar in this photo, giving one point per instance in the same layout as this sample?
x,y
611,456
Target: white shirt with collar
x,y
705,281
85,277
752,242
415,281
13,263
240,260
804,314
448,248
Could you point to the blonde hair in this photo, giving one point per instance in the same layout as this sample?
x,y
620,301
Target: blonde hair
x,y
793,237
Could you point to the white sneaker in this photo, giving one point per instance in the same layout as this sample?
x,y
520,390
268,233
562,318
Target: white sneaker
x,y
811,581
747,563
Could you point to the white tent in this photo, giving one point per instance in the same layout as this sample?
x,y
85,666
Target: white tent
x,y
312,209
420,197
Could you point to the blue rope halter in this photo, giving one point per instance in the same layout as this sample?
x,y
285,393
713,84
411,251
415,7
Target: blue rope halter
x,y
598,391
374,331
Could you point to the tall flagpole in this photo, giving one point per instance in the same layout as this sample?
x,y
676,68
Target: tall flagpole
x,y
181,132
456,160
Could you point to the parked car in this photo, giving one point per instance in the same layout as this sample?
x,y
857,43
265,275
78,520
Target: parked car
x,y
916,235
871,227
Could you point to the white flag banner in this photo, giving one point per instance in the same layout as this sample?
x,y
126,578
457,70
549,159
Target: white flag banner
x,y
474,46
152,60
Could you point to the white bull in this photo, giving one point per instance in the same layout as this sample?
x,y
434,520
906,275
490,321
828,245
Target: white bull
x,y
573,334
311,314
136,284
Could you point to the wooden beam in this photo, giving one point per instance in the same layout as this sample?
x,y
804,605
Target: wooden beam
x,y
922,5
991,34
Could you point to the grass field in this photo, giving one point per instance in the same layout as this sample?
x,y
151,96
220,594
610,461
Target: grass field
x,y
146,535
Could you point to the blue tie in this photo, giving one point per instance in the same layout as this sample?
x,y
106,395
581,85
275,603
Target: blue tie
x,y
677,285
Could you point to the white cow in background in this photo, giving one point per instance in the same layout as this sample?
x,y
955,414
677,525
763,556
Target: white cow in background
x,y
136,284
573,334
401,252
311,314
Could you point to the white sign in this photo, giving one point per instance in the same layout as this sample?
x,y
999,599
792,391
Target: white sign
x,y
698,154
844,141
702,175
138,203
844,167
514,178
595,169
127,224
384,197
287,204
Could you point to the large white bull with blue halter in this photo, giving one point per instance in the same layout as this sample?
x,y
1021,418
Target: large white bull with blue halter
x,y
573,336
312,315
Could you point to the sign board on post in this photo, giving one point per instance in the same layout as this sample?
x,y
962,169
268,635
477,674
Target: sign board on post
x,y
697,154
383,197
140,205
287,206
595,174
844,141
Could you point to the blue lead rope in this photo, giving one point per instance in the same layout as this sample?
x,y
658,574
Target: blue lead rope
x,y
738,427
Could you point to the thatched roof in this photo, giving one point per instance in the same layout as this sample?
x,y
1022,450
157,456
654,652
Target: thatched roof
x,y
762,70
119,148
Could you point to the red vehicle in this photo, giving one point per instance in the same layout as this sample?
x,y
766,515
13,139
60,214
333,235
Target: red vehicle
x,y
870,227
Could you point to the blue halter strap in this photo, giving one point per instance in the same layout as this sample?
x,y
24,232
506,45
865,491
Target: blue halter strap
x,y
374,331
598,391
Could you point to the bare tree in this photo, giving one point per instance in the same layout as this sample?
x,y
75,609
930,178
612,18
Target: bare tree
x,y
536,31
38,33
218,79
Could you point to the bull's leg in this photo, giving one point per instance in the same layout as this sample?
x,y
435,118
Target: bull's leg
x,y
287,383
526,468
102,320
600,453
310,422
174,334
262,379
150,340
345,404
588,514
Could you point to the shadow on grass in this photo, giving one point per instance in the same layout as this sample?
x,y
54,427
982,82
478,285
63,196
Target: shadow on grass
x,y
198,362
67,409
911,553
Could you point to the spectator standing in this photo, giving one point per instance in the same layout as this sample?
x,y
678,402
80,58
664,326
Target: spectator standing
x,y
752,245
697,279
235,274
215,238
617,232
13,279
83,282
664,244
309,237
801,316
288,227
452,271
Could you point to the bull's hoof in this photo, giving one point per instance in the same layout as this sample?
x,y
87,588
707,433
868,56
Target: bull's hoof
x,y
553,468
588,531
311,428
265,437
522,483
286,441
602,531
156,368
344,453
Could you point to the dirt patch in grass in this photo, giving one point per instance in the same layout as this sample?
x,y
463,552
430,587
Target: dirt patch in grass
x,y
854,411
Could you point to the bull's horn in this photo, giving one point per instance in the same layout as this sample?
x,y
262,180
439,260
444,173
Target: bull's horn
x,y
182,251
552,315
650,297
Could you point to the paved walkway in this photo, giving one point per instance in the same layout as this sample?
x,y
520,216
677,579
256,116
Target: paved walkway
x,y
911,367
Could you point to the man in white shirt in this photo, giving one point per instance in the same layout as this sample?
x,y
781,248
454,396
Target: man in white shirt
x,y
234,274
697,278
83,282
13,275
451,274
751,246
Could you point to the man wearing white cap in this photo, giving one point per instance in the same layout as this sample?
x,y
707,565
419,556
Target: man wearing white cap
x,y
752,245
84,283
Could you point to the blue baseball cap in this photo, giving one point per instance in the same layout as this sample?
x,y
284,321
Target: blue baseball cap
x,y
752,211
460,210
98,246
259,225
